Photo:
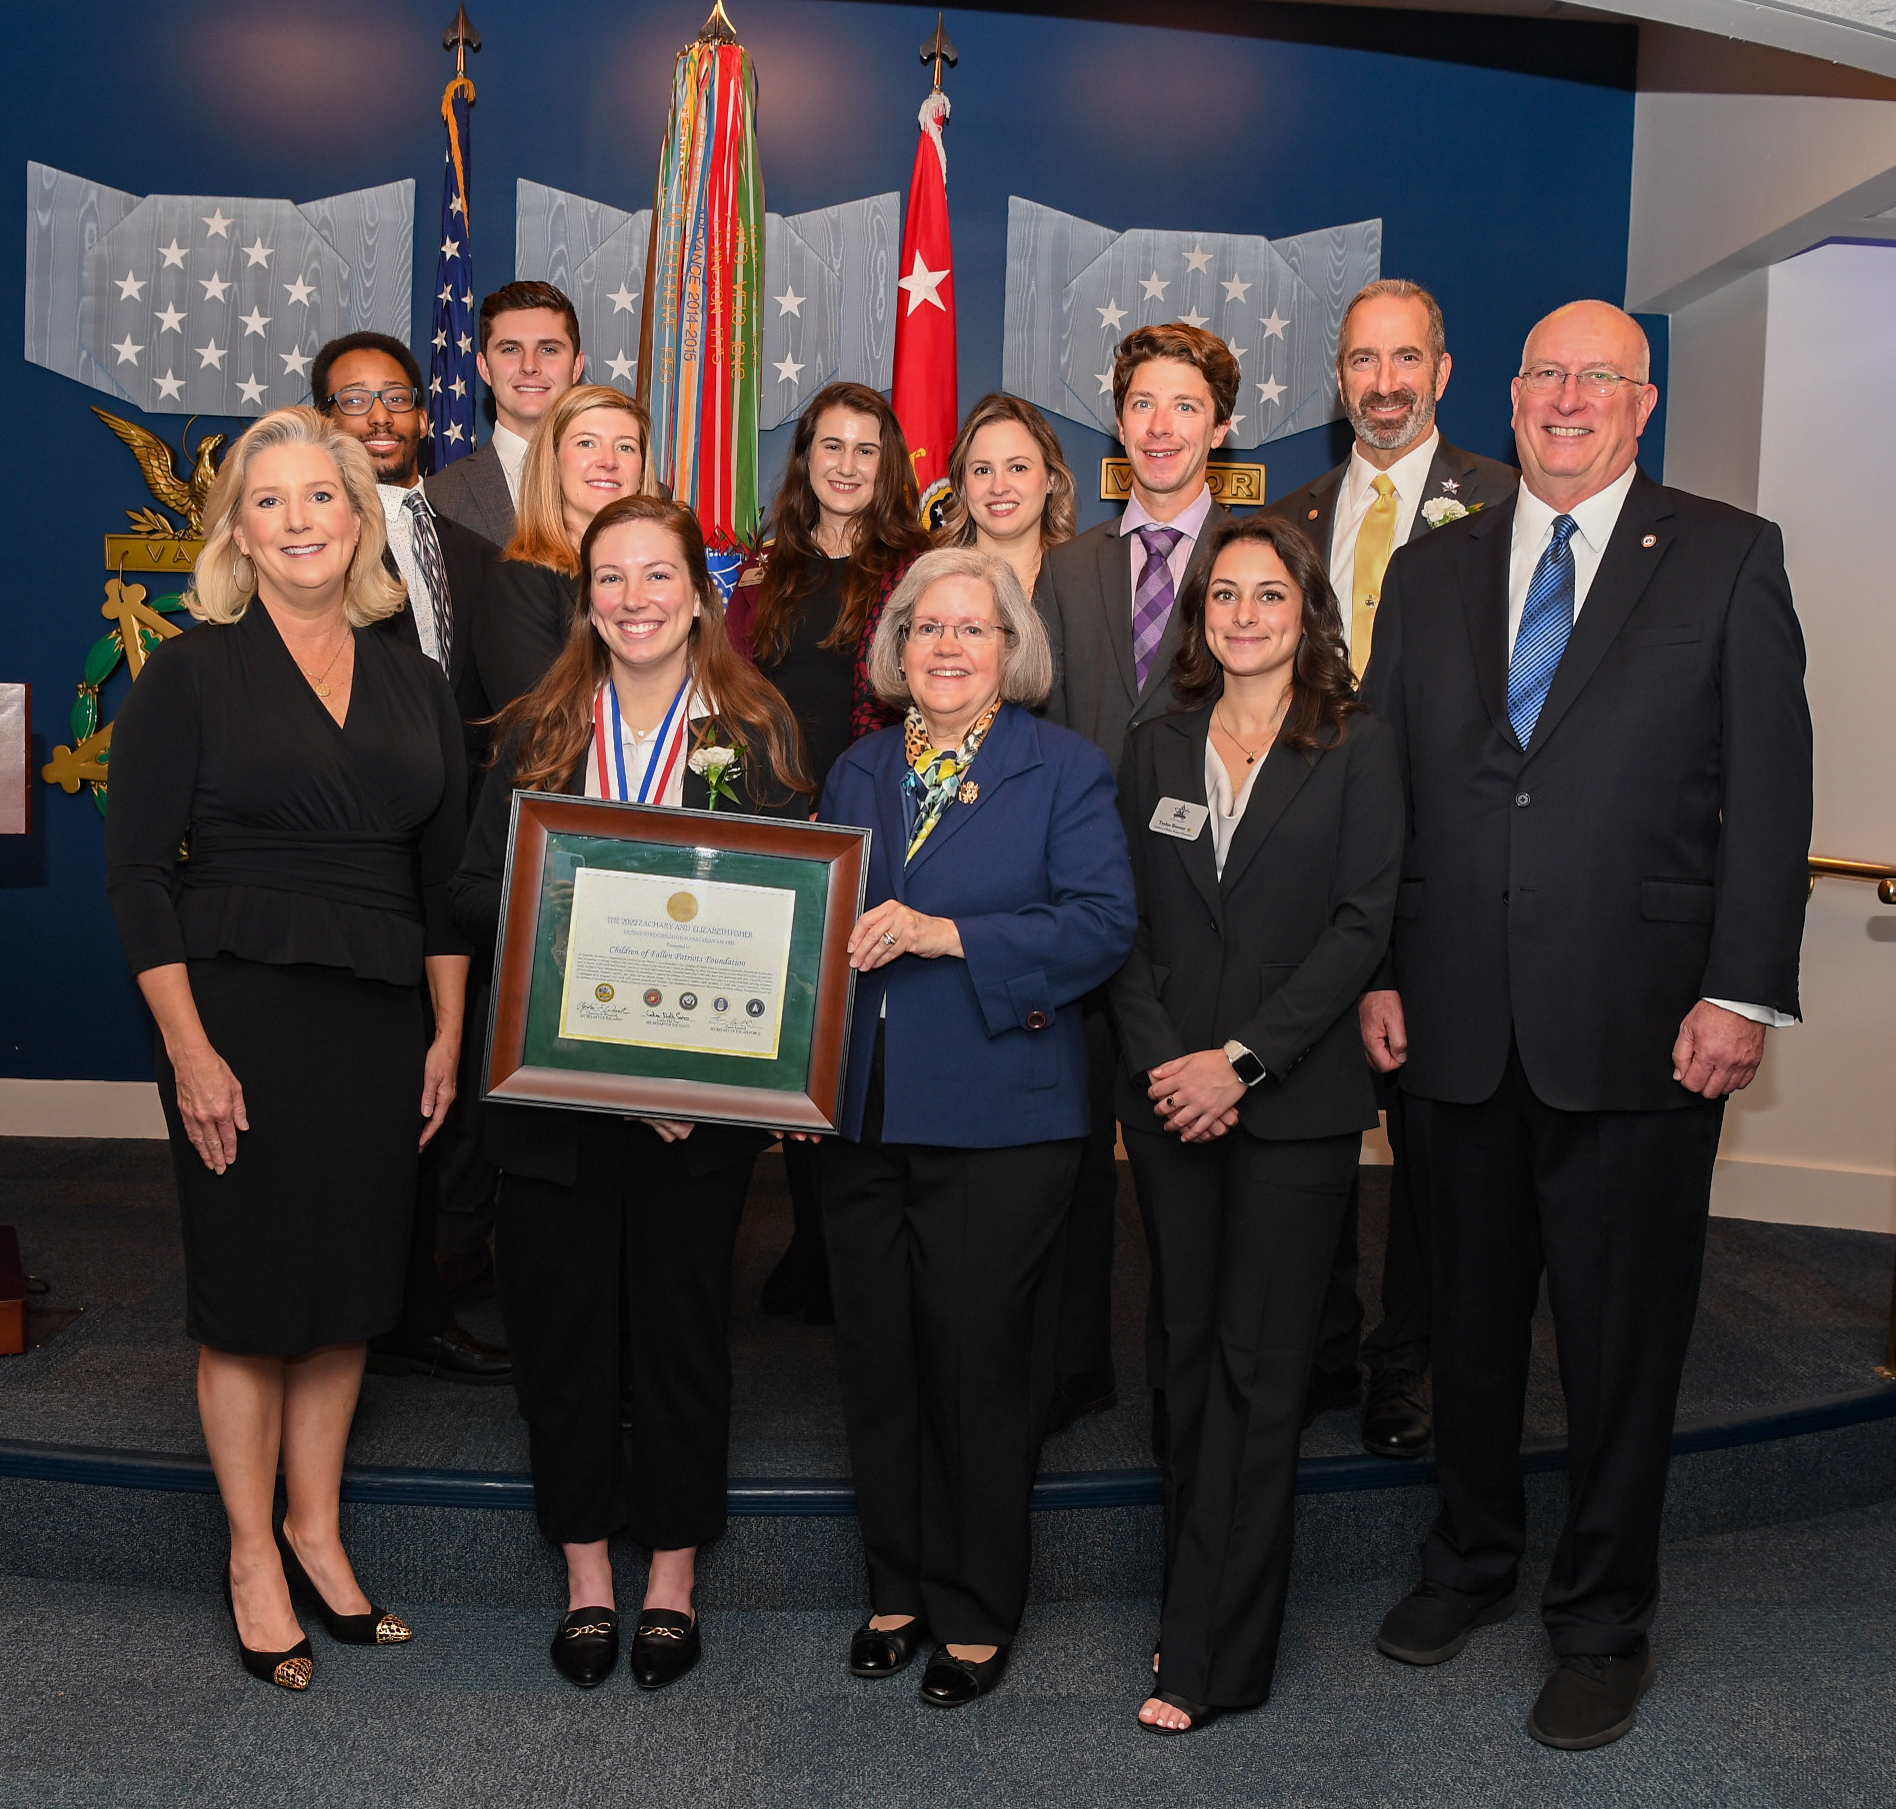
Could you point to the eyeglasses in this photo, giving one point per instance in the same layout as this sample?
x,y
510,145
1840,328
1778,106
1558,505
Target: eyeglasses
x,y
969,634
401,399
1544,379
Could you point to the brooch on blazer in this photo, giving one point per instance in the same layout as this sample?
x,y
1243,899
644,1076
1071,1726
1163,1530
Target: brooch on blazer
x,y
968,793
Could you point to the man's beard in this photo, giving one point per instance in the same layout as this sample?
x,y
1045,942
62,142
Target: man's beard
x,y
1393,437
403,472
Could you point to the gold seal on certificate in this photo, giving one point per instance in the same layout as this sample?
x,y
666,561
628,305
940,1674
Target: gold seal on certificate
x,y
661,966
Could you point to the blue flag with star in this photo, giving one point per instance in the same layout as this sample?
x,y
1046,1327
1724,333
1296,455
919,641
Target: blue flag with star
x,y
451,373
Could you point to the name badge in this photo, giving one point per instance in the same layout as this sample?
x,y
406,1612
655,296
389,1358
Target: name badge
x,y
1176,817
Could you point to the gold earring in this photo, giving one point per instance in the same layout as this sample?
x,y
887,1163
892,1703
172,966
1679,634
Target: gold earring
x,y
243,573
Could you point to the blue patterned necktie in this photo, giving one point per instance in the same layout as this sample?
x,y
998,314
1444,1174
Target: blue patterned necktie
x,y
1546,626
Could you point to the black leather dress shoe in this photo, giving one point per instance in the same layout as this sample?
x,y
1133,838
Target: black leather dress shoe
x,y
1396,1418
1432,1622
586,1646
451,1356
665,1646
1331,1394
949,1681
1074,1397
1592,1699
881,1652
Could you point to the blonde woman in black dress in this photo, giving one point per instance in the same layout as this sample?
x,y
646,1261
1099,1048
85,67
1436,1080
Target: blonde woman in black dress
x,y
311,765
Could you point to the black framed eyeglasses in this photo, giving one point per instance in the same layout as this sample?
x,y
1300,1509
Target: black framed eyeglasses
x,y
398,399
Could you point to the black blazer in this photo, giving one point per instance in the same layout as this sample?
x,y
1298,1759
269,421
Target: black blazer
x,y
1646,852
473,491
1276,953
468,560
1085,597
523,625
1471,480
543,1141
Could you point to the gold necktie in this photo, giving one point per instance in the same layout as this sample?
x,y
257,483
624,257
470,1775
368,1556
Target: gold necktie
x,y
1375,541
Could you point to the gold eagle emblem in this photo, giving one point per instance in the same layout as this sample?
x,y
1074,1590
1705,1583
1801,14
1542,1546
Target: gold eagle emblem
x,y
182,495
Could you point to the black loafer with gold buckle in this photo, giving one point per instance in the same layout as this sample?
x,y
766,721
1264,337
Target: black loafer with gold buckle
x,y
586,1646
665,1646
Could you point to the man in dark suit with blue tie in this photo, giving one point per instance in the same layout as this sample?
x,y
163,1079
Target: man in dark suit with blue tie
x,y
1597,693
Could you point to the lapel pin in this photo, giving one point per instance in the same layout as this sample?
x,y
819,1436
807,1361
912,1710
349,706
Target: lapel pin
x,y
1312,515
1451,485
969,791
1650,540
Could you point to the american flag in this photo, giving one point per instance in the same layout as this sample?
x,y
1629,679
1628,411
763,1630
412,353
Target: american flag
x,y
451,373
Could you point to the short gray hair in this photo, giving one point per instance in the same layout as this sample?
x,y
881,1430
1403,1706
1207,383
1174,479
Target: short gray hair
x,y
1397,288
1026,658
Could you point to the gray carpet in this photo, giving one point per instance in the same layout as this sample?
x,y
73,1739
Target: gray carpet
x,y
1777,1690
1789,1314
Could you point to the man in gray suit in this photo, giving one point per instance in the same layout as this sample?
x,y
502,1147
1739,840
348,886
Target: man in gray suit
x,y
1108,599
530,357
1401,481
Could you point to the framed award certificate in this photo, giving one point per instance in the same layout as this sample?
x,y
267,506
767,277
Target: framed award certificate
x,y
675,963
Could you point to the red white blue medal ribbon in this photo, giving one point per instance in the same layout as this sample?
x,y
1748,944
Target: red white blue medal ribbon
x,y
664,772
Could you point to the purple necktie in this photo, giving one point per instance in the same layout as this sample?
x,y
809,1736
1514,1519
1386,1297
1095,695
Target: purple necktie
x,y
1152,601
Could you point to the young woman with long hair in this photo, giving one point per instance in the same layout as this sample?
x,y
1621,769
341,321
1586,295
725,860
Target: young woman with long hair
x,y
1011,491
616,1235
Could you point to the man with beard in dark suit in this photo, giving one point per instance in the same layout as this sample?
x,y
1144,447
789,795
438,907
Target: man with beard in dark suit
x,y
370,386
1401,481
1598,699
1107,598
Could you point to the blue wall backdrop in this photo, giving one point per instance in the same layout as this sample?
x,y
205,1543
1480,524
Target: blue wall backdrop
x,y
1497,152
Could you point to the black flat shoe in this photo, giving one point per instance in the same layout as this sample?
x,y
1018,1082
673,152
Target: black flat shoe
x,y
1202,1714
664,1648
586,1646
1592,1699
376,1628
882,1651
949,1681
289,1670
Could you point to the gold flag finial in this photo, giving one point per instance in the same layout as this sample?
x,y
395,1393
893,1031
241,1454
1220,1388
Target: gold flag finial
x,y
461,37
940,49
718,29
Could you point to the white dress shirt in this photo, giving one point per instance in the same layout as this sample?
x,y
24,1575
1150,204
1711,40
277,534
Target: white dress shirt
x,y
1355,491
1227,803
511,450
1190,524
1594,521
401,543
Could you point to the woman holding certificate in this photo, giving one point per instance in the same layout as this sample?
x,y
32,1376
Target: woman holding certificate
x,y
999,894
647,703
588,452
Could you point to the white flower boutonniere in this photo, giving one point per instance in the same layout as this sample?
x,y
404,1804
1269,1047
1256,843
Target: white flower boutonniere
x,y
718,766
1437,511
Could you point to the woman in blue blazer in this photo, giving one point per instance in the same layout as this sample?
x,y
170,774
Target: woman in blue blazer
x,y
999,894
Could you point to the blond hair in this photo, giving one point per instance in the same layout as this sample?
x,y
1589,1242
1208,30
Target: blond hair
x,y
1026,656
540,536
225,580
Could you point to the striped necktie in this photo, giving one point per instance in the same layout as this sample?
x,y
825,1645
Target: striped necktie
x,y
1546,626
1152,601
433,573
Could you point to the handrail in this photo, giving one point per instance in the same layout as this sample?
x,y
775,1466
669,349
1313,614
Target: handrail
x,y
1823,866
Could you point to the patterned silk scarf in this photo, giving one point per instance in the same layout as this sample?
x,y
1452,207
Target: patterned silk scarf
x,y
934,774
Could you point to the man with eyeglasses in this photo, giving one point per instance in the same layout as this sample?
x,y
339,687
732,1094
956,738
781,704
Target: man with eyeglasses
x,y
369,385
1401,481
1597,691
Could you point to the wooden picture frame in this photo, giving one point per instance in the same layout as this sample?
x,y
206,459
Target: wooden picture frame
x,y
529,1061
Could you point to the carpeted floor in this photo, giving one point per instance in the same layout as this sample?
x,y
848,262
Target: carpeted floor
x,y
1777,1690
1789,1315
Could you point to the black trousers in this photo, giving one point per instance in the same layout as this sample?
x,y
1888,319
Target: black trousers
x,y
1242,1232
1400,1339
469,1182
636,1226
944,1341
1084,1341
1612,1205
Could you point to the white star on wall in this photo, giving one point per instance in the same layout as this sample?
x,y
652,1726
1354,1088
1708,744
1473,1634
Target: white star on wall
x,y
1198,258
623,300
217,224
255,321
130,287
1105,382
1270,389
170,388
1235,289
787,369
215,287
127,352
1240,352
1274,325
623,367
294,363
299,291
1233,422
257,252
251,390
923,285
169,320
1194,319
173,255
211,354
1111,315
790,302
1155,290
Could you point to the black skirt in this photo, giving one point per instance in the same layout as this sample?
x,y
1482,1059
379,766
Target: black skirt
x,y
303,1240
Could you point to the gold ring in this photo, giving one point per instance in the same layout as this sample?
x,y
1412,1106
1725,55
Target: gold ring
x,y
888,936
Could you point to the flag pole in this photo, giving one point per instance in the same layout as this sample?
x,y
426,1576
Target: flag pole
x,y
451,403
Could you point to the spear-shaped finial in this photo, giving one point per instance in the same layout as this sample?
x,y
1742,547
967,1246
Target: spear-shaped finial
x,y
718,29
940,49
461,37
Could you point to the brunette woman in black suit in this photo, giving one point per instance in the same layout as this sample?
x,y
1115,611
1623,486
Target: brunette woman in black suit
x,y
1265,818
602,1216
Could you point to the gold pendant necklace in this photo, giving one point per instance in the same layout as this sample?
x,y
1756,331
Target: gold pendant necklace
x,y
321,684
